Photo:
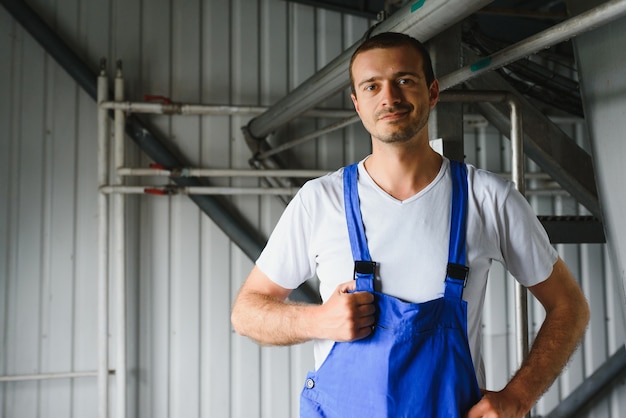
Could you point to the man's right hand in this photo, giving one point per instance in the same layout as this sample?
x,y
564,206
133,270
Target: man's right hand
x,y
347,315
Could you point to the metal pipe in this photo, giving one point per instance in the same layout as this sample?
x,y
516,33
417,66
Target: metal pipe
x,y
199,190
422,19
103,250
233,172
120,251
214,110
46,376
219,172
330,128
517,171
273,191
600,15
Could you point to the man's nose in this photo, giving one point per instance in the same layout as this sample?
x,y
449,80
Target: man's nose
x,y
391,94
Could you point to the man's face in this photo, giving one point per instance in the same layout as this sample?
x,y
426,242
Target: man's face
x,y
392,98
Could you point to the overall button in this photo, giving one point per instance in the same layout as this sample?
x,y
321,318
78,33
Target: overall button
x,y
310,383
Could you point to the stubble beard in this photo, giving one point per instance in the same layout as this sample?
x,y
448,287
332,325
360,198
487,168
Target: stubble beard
x,y
402,134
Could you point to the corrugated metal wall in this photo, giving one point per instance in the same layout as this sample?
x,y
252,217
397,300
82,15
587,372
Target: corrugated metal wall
x,y
183,272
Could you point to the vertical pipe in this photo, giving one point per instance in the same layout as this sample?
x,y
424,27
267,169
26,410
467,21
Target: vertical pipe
x,y
103,249
517,174
120,259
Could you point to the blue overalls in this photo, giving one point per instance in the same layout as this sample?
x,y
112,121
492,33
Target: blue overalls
x,y
417,362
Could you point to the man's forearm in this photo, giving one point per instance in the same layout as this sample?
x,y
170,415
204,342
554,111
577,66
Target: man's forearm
x,y
557,339
269,321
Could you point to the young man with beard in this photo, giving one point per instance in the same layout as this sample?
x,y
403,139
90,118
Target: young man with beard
x,y
402,243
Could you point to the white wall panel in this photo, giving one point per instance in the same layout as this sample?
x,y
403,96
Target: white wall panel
x,y
183,272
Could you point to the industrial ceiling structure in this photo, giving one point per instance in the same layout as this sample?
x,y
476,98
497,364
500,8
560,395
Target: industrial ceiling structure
x,y
545,77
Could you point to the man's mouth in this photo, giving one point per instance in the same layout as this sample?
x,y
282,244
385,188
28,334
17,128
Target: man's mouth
x,y
393,113
392,116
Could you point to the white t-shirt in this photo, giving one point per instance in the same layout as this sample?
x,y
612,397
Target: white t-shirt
x,y
409,241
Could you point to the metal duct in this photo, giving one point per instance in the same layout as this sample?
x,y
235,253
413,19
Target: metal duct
x,y
422,19
224,216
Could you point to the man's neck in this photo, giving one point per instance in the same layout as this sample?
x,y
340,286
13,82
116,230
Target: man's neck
x,y
403,171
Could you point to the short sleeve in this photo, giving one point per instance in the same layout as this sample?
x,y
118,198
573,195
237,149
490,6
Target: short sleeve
x,y
526,248
286,258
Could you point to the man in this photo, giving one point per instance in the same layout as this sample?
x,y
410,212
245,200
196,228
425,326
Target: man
x,y
394,342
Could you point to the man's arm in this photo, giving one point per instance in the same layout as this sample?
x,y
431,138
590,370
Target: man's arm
x,y
567,315
262,312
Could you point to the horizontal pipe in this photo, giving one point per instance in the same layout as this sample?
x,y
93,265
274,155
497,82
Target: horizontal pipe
x,y
46,376
330,128
199,190
214,110
261,191
228,172
218,172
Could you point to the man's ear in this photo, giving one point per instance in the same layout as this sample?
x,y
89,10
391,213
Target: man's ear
x,y
355,102
433,92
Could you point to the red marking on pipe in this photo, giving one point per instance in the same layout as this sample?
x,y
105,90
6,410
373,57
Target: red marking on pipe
x,y
152,98
150,190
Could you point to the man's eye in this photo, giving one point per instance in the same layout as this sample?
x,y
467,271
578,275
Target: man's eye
x,y
370,88
404,81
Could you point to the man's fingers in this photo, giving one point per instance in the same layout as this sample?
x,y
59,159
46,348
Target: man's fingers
x,y
347,287
368,309
363,298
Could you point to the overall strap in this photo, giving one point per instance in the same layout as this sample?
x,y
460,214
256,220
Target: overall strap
x,y
457,270
364,267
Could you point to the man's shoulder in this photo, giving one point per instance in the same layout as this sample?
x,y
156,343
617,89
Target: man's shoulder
x,y
318,192
485,179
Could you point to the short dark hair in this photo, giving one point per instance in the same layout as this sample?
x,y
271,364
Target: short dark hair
x,y
393,40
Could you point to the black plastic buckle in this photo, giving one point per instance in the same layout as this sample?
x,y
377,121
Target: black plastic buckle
x,y
364,267
458,272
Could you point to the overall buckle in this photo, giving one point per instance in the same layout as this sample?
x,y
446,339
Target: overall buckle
x,y
458,272
364,267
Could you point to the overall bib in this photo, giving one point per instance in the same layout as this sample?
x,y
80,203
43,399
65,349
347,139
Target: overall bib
x,y
417,361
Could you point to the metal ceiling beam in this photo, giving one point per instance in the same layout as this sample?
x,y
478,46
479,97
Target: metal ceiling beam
x,y
226,217
544,142
422,19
